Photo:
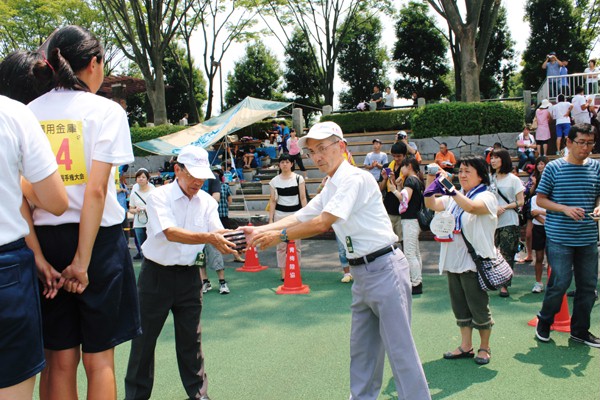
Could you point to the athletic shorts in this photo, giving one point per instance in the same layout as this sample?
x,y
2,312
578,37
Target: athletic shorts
x,y
562,130
107,313
538,237
542,142
21,347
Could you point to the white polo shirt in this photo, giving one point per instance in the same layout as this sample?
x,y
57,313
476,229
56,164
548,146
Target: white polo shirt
x,y
169,207
82,127
25,151
354,197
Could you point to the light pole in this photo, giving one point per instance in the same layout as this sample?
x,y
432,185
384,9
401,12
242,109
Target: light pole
x,y
218,65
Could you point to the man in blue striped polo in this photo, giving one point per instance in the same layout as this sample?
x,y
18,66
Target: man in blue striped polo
x,y
569,190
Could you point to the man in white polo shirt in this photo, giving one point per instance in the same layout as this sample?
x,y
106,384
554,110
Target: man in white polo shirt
x,y
381,295
181,219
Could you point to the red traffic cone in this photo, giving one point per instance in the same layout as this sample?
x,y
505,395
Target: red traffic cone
x,y
252,264
292,283
562,319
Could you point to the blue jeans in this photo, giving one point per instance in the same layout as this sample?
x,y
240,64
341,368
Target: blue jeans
x,y
526,157
567,261
140,235
342,253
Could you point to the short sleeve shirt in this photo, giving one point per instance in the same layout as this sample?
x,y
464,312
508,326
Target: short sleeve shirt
x,y
169,207
509,186
26,152
479,230
574,186
380,157
354,198
83,127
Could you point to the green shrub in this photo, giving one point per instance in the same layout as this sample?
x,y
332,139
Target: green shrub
x,y
463,119
371,121
142,134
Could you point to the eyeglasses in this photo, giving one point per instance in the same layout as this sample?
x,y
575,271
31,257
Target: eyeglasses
x,y
584,144
320,150
187,174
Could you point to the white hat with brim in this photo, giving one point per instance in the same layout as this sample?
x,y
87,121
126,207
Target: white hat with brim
x,y
545,103
196,162
321,131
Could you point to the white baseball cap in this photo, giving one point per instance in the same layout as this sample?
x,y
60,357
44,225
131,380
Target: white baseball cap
x,y
196,162
321,131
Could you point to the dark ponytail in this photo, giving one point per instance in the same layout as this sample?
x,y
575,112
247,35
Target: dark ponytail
x,y
19,79
70,49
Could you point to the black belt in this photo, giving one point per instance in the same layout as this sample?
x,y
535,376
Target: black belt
x,y
371,257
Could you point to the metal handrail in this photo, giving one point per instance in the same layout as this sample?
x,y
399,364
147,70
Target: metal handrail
x,y
565,84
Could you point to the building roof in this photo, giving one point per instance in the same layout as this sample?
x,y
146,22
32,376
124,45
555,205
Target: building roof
x,y
132,85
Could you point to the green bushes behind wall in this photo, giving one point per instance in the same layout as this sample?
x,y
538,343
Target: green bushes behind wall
x,y
139,134
443,119
463,119
371,121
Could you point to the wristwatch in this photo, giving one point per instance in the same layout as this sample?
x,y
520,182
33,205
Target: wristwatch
x,y
283,236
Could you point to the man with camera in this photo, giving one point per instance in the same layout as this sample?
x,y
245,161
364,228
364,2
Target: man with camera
x,y
552,66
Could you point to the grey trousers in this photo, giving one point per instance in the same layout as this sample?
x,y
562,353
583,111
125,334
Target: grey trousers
x,y
381,312
162,289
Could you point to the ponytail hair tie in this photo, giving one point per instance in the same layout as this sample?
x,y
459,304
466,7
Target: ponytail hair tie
x,y
48,62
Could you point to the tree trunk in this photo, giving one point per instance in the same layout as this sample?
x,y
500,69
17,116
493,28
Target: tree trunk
x,y
209,103
160,106
469,70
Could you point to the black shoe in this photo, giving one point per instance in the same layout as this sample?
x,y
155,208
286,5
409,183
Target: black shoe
x,y
571,293
417,289
138,256
542,331
504,293
586,338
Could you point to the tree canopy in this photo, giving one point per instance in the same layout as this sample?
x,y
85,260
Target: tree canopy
x,y
555,26
362,60
256,74
419,54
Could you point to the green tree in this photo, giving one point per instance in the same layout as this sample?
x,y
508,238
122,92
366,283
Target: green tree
x,y
144,30
469,37
256,74
223,23
419,54
25,24
555,26
177,71
320,21
498,67
301,76
361,60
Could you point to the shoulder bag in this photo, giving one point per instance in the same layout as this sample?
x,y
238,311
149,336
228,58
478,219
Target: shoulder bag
x,y
491,273
142,215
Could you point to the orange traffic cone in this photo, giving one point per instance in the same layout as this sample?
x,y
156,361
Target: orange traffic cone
x,y
252,264
292,283
562,319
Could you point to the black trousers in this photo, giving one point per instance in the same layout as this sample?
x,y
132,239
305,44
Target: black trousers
x,y
162,289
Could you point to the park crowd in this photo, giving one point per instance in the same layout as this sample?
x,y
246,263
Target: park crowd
x,y
69,291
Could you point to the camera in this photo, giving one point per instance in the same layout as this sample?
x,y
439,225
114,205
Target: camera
x,y
432,169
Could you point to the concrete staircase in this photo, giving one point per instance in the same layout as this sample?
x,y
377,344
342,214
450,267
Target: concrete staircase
x,y
253,194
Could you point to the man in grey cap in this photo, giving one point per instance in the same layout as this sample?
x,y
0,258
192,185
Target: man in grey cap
x,y
350,202
181,219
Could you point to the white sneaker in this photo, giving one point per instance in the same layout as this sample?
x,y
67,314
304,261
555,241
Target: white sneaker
x,y
347,278
206,286
224,289
538,287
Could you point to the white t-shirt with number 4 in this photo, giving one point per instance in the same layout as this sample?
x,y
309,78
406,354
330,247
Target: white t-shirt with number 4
x,y
82,127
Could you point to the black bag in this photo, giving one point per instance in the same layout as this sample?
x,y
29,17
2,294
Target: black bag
x,y
424,216
492,274
519,211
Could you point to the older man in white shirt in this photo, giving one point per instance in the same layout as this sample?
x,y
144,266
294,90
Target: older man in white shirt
x,y
181,220
381,295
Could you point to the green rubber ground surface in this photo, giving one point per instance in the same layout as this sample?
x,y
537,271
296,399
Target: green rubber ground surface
x,y
263,346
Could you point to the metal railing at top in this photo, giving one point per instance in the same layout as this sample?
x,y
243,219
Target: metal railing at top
x,y
566,84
